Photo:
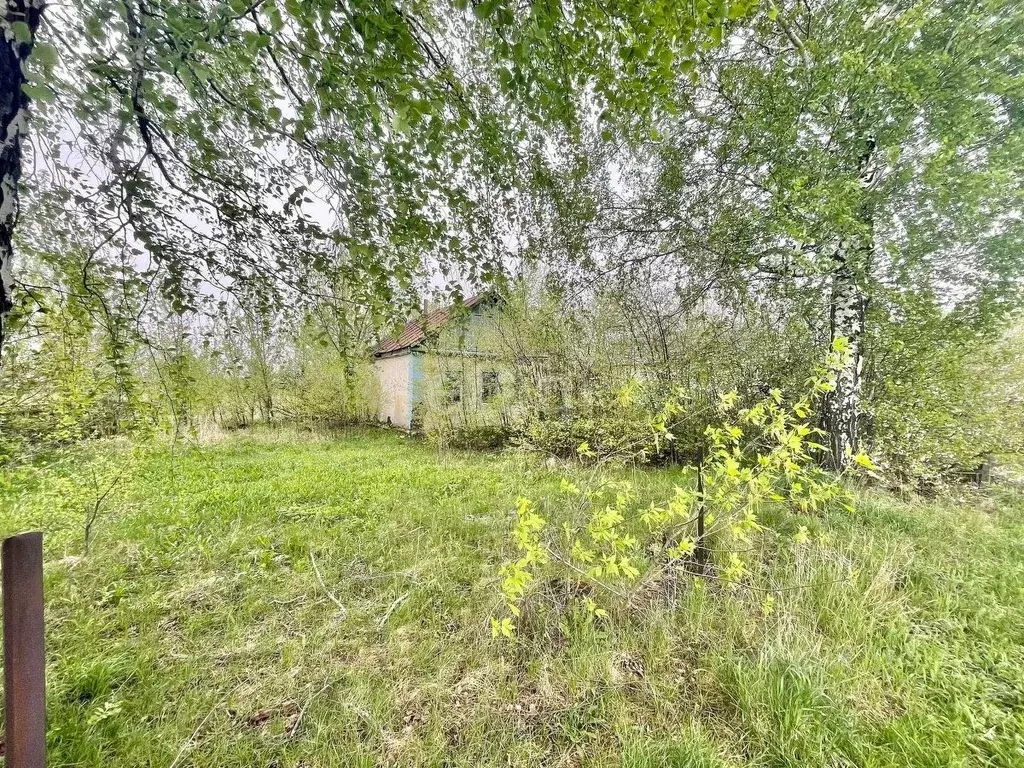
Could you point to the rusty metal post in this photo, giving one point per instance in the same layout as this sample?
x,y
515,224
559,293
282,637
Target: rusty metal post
x,y
24,660
701,550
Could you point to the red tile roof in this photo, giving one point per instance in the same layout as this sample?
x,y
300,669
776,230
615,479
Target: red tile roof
x,y
415,332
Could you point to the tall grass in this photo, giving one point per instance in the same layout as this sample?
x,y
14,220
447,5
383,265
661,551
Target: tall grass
x,y
197,631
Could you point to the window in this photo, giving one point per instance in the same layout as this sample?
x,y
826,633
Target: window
x,y
490,386
453,387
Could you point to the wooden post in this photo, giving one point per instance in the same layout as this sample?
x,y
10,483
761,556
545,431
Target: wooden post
x,y
24,660
984,472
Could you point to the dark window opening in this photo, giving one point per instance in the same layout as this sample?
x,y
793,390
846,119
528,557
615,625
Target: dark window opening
x,y
453,387
490,386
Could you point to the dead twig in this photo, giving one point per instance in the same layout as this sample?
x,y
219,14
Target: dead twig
x,y
319,578
384,619
297,723
190,742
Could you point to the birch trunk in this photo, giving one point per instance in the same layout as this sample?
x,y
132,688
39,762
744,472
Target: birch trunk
x,y
842,405
18,24
848,308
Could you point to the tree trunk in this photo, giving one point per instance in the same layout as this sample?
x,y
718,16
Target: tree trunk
x,y
18,25
842,405
701,553
847,310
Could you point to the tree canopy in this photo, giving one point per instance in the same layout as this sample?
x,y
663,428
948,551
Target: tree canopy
x,y
850,159
858,156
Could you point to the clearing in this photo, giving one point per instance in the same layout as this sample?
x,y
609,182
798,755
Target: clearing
x,y
197,632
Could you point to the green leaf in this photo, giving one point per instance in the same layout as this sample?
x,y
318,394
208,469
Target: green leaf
x,y
865,461
40,93
45,54
401,123
485,9
22,32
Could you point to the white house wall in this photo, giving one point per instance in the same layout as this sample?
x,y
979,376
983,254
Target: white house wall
x,y
393,376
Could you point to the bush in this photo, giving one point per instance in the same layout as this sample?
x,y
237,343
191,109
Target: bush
x,y
332,391
946,408
67,381
607,545
483,437
616,424
608,435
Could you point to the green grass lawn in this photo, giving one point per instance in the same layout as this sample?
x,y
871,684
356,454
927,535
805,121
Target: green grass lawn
x,y
196,632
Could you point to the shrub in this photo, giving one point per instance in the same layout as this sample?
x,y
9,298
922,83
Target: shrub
x,y
481,437
611,427
757,456
946,408
329,390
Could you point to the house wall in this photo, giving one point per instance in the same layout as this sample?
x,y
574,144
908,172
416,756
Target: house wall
x,y
440,374
394,379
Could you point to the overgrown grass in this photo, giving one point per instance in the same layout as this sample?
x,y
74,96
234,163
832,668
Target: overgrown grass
x,y
196,631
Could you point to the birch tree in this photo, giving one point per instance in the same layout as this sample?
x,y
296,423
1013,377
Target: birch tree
x,y
18,24
844,154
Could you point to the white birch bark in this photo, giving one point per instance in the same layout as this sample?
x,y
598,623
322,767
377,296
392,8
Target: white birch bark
x,y
842,405
848,308
18,24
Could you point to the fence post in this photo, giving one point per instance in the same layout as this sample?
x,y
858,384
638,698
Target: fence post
x,y
24,660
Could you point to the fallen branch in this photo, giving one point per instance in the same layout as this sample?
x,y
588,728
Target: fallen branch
x,y
384,619
319,578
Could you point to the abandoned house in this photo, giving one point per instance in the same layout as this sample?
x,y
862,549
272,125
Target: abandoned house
x,y
445,366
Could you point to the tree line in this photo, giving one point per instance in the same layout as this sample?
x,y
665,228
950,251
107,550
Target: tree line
x,y
851,168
